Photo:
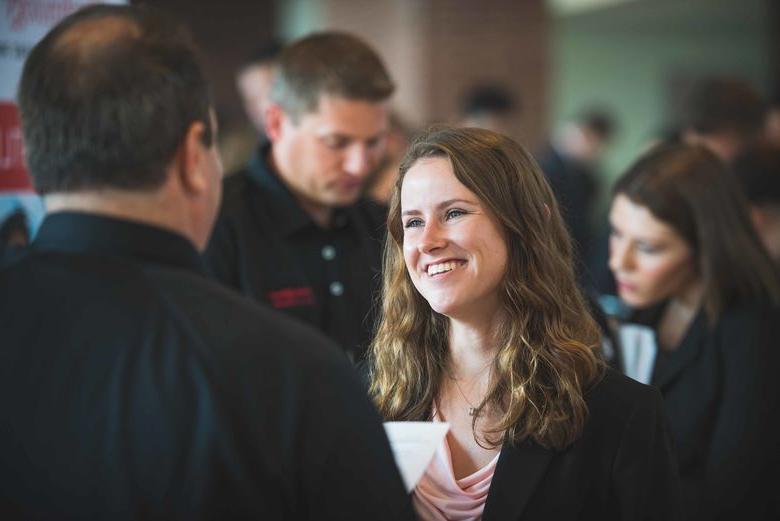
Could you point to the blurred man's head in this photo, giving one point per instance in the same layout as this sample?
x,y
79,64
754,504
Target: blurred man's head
x,y
116,115
254,82
585,138
758,169
772,123
489,106
328,118
725,115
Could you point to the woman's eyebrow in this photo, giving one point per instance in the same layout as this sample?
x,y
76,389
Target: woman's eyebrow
x,y
442,204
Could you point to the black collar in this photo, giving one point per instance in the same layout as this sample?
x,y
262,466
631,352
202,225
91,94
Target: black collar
x,y
74,232
287,213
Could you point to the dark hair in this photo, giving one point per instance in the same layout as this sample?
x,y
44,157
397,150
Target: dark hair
x,y
758,170
107,97
724,105
488,98
265,53
600,121
691,190
331,63
16,222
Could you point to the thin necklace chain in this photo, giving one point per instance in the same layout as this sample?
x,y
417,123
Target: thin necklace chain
x,y
473,411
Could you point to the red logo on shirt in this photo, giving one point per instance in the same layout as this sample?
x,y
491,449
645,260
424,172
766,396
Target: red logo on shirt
x,y
291,297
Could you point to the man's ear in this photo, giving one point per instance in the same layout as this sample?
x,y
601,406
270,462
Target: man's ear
x,y
190,158
274,121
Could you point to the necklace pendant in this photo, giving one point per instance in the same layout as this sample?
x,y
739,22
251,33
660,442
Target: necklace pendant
x,y
472,411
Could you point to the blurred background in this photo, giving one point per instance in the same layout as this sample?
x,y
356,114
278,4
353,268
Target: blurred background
x,y
633,59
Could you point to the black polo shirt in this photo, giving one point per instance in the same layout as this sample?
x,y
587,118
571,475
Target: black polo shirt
x,y
268,248
133,387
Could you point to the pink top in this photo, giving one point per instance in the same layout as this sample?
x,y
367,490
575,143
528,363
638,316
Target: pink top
x,y
440,497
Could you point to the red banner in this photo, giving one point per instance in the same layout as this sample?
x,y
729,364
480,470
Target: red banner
x,y
13,173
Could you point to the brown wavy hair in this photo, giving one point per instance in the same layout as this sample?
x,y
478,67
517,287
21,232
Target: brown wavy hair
x,y
547,357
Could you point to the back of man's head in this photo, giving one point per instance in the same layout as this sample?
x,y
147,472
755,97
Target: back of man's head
x,y
724,105
328,63
107,97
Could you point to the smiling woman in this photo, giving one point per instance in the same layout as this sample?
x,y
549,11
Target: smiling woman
x,y
686,258
483,326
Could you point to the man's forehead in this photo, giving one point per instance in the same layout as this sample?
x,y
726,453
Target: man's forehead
x,y
340,115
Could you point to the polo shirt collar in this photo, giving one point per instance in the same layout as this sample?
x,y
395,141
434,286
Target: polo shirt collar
x,y
76,232
287,213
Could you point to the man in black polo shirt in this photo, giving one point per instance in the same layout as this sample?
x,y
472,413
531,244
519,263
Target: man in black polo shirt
x,y
294,231
131,386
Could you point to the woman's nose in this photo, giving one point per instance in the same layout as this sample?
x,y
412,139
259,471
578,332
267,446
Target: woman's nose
x,y
432,238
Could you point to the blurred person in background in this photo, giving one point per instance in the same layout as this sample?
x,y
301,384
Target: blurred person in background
x,y
254,81
489,106
483,326
726,115
380,184
14,232
132,386
705,325
758,171
772,126
295,231
571,162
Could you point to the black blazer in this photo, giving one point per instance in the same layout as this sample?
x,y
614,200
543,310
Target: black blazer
x,y
621,468
721,395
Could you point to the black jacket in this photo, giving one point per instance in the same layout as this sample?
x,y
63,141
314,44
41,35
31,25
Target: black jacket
x,y
621,468
722,394
131,387
269,249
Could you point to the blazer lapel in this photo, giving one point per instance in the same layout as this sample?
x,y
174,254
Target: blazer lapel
x,y
518,472
686,353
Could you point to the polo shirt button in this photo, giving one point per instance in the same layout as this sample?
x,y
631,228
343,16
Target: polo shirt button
x,y
336,289
328,252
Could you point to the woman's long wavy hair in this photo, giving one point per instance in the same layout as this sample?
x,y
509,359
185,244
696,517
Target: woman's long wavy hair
x,y
691,190
546,359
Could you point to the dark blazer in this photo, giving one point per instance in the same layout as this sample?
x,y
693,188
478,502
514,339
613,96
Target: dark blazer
x,y
721,394
131,387
621,468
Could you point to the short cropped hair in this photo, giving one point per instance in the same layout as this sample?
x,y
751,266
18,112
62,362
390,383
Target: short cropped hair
x,y
487,99
599,121
718,105
328,63
107,97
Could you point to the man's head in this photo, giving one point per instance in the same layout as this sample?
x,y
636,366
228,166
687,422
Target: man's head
x,y
114,104
327,118
587,136
489,106
758,170
255,80
725,115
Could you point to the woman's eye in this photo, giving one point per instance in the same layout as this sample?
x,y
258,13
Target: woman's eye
x,y
647,248
451,214
413,223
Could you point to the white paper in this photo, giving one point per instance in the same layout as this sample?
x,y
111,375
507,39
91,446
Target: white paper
x,y
413,445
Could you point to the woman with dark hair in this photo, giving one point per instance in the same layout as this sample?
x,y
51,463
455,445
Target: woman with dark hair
x,y
704,331
483,326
